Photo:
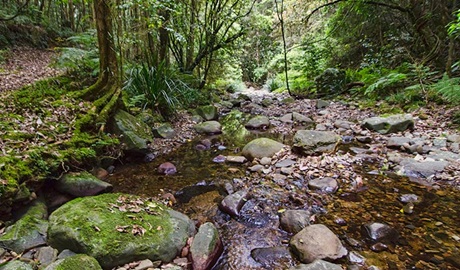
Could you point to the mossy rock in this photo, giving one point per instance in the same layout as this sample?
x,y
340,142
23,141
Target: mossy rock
x,y
391,124
118,228
134,133
261,147
17,265
75,262
29,231
208,112
80,184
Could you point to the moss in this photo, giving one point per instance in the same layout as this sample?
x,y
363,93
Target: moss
x,y
76,262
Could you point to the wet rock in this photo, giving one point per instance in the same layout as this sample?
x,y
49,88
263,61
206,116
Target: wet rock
x,y
421,169
208,112
317,265
321,104
392,124
206,247
409,198
379,231
16,265
236,159
46,255
104,226
300,118
219,159
356,258
379,247
133,133
187,193
81,184
325,184
81,261
317,242
164,131
167,168
293,221
285,163
233,203
258,122
271,257
208,127
29,231
261,147
310,142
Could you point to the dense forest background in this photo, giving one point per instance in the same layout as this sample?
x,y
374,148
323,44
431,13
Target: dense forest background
x,y
405,52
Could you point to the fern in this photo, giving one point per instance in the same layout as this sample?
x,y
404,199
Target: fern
x,y
385,82
448,88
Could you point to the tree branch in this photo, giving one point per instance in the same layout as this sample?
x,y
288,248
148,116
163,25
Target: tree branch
x,y
17,13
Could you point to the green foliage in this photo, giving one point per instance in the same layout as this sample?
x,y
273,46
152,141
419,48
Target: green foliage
x,y
448,88
82,59
453,29
157,88
383,84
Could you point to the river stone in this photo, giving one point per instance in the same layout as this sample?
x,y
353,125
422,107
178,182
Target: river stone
x,y
208,127
309,142
167,168
208,112
29,231
119,228
317,265
317,242
258,122
164,131
325,184
75,262
421,169
392,124
133,133
272,257
343,124
285,163
378,231
82,184
16,265
236,159
233,203
206,247
301,118
46,255
293,221
287,118
261,147
397,142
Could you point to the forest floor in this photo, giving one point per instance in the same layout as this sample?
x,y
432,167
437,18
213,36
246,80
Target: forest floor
x,y
21,66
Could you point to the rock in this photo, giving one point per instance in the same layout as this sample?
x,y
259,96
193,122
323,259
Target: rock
x,y
265,161
331,81
119,228
261,147
266,102
310,142
440,142
378,231
325,184
288,100
398,142
256,168
208,127
392,124
285,163
317,242
219,159
65,253
258,122
233,203
29,231
80,184
206,247
16,265
409,198
321,104
208,112
145,265
293,221
287,118
133,133
317,265
46,255
343,124
454,138
167,168
236,159
76,262
300,118
421,169
272,257
164,131
364,139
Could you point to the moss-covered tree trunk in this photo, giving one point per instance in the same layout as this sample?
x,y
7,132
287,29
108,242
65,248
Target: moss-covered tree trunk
x,y
106,92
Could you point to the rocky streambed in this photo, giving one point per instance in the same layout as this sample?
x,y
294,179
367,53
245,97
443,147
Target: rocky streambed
x,y
273,183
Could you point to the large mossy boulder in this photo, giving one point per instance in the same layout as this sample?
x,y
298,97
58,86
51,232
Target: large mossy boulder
x,y
261,147
208,112
133,133
29,231
117,229
80,184
310,142
331,81
391,124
